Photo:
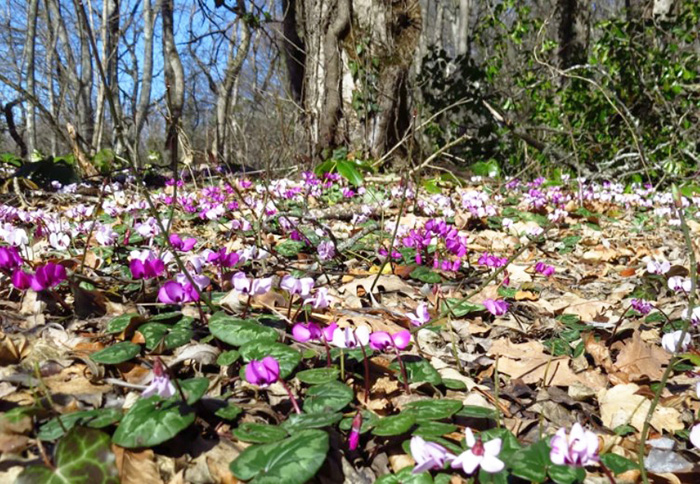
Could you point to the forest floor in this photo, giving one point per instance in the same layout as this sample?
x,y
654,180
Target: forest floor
x,y
513,310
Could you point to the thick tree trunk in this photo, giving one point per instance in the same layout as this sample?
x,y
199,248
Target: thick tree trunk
x,y
174,83
357,58
574,32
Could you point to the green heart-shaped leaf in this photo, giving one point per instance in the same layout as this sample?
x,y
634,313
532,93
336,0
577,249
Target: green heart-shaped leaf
x,y
406,476
617,463
285,356
229,412
194,389
166,318
171,336
294,460
117,353
418,370
472,411
120,323
328,397
316,376
433,409
228,358
297,421
152,421
423,274
238,332
434,429
259,433
82,456
97,419
394,425
531,462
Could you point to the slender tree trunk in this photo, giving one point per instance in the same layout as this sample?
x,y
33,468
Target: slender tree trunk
x,y
149,19
225,89
174,83
462,37
30,45
86,114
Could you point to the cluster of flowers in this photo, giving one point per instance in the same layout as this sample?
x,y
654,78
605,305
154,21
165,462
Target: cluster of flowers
x,y
44,277
442,235
579,448
351,338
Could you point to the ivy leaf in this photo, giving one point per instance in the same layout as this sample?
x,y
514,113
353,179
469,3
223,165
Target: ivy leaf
x,y
117,353
259,433
238,332
294,460
82,456
286,356
328,397
152,421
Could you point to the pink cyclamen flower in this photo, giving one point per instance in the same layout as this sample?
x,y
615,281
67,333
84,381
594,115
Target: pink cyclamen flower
x,y
654,267
695,435
354,438
173,292
349,337
183,245
302,286
21,280
48,276
484,454
146,269
161,384
9,258
381,340
497,308
319,300
579,448
544,269
428,455
641,306
693,315
262,373
421,316
678,284
253,287
326,250
222,258
672,343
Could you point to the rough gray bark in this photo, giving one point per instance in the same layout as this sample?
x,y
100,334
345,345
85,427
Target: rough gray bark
x,y
174,82
378,38
574,32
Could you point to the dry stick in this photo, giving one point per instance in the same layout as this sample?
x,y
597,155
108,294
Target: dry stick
x,y
684,331
404,180
437,153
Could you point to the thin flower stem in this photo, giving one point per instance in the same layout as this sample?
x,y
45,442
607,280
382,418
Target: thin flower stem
x,y
295,404
403,369
607,473
366,365
671,364
342,364
329,362
619,322
247,306
170,373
